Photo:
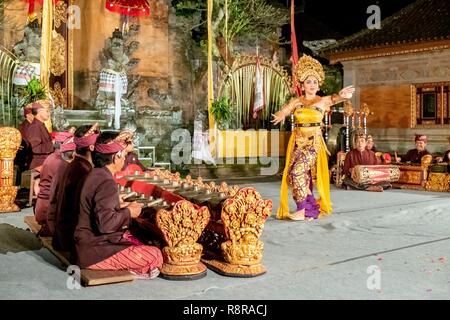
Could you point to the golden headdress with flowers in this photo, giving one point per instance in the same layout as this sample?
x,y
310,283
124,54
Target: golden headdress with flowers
x,y
308,66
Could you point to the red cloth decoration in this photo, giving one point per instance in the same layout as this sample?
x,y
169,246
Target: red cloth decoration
x,y
129,7
31,5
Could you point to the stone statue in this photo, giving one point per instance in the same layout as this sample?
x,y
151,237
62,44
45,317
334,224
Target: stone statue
x,y
28,52
59,121
115,87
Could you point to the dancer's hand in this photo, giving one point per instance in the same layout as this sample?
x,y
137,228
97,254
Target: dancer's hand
x,y
277,118
347,92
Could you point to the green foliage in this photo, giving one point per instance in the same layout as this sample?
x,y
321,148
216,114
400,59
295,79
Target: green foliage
x,y
222,111
256,18
33,91
333,80
188,7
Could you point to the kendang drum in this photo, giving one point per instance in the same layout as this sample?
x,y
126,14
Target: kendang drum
x,y
371,174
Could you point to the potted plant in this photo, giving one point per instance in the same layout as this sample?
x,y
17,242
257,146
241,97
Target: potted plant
x,y
34,91
222,111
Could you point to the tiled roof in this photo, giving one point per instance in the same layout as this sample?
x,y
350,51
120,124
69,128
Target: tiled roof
x,y
421,21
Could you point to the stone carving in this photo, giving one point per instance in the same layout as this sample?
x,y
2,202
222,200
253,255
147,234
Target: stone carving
x,y
28,51
115,86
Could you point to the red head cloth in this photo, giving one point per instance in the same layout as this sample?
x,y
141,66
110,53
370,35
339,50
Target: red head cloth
x,y
40,104
26,110
116,145
61,136
89,137
421,137
387,158
67,145
111,147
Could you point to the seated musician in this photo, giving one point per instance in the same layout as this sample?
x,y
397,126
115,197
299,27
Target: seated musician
x,y
131,157
52,169
446,156
24,154
64,204
361,156
415,155
102,238
370,145
382,158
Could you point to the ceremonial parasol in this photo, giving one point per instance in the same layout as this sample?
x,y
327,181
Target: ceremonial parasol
x,y
129,7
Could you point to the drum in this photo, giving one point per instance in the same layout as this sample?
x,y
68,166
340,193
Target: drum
x,y
371,174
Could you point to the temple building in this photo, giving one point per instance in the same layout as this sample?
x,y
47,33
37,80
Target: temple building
x,y
402,71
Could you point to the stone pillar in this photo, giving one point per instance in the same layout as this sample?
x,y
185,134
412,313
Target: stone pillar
x,y
10,140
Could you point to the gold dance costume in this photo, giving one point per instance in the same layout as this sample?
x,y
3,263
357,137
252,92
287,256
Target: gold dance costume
x,y
306,155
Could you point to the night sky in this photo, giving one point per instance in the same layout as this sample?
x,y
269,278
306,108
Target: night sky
x,y
347,16
350,16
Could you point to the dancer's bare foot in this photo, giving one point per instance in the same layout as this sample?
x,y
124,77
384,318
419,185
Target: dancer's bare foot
x,y
297,216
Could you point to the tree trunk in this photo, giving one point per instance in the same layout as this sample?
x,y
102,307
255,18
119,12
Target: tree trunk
x,y
225,52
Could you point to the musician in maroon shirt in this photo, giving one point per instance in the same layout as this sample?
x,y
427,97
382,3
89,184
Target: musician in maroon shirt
x,y
24,154
51,170
361,156
415,155
38,135
103,241
64,209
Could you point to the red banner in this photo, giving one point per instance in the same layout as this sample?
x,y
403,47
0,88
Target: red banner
x,y
296,88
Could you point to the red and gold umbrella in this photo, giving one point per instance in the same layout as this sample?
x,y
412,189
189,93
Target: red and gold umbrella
x,y
129,7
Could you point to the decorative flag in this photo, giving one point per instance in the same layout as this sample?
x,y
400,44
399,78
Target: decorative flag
x,y
129,7
296,88
258,103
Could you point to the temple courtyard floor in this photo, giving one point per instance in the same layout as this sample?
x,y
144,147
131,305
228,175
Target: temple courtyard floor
x,y
390,245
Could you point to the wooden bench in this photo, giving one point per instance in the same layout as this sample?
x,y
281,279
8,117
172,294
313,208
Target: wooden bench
x,y
88,277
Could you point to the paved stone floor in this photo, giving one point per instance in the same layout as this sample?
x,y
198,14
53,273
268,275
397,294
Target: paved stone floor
x,y
390,245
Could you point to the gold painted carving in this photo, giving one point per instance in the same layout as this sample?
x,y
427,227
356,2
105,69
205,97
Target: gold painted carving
x,y
243,217
181,228
438,182
10,140
58,54
60,15
59,95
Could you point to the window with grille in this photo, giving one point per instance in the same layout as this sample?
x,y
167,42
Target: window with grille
x,y
432,106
